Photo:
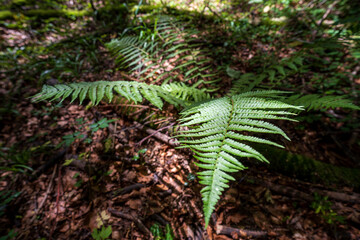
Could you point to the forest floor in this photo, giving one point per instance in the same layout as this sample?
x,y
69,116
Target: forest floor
x,y
115,173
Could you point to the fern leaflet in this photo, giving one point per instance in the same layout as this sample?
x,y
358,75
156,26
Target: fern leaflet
x,y
216,136
317,102
176,94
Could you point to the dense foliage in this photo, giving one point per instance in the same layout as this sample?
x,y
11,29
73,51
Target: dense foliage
x,y
229,76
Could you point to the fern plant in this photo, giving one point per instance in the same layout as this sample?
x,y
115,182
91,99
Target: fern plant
x,y
165,55
219,131
214,125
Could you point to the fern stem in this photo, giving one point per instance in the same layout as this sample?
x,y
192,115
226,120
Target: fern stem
x,y
208,208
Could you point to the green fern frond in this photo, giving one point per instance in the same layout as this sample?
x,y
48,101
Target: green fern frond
x,y
132,51
97,91
243,82
169,56
317,102
216,133
186,93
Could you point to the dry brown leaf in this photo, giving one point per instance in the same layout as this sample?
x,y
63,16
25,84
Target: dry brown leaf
x,y
134,203
91,220
220,219
103,217
260,219
129,176
235,218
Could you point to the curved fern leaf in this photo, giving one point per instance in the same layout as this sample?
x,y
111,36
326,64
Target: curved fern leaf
x,y
216,133
177,94
97,91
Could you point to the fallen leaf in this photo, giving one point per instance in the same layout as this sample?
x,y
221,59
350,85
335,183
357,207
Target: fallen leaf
x,y
103,217
134,204
129,176
260,219
235,218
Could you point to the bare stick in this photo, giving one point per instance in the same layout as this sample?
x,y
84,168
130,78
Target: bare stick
x,y
137,221
221,229
129,77
46,195
127,189
157,131
160,136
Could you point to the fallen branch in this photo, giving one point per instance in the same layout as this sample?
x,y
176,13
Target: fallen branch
x,y
127,189
160,136
137,221
129,77
224,230
294,193
338,196
288,191
157,131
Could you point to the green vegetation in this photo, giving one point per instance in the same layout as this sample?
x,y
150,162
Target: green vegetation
x,y
322,206
158,233
225,76
102,234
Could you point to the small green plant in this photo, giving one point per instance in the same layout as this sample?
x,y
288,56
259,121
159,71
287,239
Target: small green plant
x,y
158,233
101,234
15,159
139,153
5,198
71,138
79,181
11,235
322,206
103,123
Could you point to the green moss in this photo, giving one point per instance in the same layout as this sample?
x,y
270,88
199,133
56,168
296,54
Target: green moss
x,y
44,13
6,14
49,13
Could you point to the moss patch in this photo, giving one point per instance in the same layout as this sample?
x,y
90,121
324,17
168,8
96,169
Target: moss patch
x,y
6,14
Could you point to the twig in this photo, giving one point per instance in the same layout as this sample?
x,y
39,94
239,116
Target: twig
x,y
338,196
124,105
292,192
127,189
159,219
137,221
326,14
287,191
49,163
129,77
46,195
57,203
225,230
352,76
320,22
157,131
92,5
160,136
215,13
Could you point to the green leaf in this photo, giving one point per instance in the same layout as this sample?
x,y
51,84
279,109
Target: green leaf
x,y
219,132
